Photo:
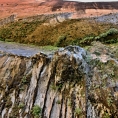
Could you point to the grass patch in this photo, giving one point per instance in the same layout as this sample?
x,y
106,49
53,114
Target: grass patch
x,y
21,105
60,41
78,111
49,48
36,111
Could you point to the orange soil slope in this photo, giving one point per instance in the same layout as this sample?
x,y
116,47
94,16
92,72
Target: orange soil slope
x,y
24,8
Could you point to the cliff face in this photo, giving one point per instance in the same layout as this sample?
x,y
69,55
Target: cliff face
x,y
67,84
24,7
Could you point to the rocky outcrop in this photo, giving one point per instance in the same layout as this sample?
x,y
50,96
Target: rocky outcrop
x,y
7,20
71,83
49,18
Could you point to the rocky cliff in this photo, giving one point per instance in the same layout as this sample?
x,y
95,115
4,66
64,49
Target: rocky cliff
x,y
7,20
25,8
71,83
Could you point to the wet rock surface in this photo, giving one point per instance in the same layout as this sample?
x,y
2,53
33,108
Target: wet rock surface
x,y
71,83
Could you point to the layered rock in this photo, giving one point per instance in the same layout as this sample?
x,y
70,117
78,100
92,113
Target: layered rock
x,y
22,8
67,84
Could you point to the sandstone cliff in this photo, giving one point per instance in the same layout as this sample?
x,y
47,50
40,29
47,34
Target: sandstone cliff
x,y
71,83
27,8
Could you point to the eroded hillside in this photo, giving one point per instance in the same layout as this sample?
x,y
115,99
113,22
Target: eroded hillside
x,y
56,30
25,8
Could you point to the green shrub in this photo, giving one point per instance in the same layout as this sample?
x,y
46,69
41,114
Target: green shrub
x,y
106,115
2,39
78,111
105,37
60,41
24,80
108,37
110,41
36,111
21,105
9,40
75,42
87,41
112,31
53,86
5,33
58,102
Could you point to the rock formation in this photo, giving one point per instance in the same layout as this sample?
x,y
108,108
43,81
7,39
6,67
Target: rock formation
x,y
71,83
7,20
25,8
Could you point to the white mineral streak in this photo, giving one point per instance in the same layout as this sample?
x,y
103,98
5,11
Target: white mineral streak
x,y
42,86
30,94
4,112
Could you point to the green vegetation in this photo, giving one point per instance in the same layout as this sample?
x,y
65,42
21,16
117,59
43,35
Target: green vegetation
x,y
69,103
75,32
108,37
109,101
53,86
49,48
106,115
17,31
36,111
78,111
58,102
24,80
21,105
60,41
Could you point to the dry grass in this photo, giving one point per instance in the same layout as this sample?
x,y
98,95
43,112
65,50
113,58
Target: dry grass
x,y
39,34
72,29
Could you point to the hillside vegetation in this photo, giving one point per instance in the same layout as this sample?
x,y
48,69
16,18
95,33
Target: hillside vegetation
x,y
75,32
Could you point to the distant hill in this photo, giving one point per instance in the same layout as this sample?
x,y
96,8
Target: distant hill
x,y
24,8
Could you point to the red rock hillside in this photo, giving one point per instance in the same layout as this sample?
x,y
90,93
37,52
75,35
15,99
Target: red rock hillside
x,y
24,8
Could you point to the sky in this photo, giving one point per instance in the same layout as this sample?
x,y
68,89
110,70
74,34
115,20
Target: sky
x,y
93,0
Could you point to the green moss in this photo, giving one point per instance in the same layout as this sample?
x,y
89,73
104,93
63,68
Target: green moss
x,y
109,101
22,88
58,102
78,111
24,80
106,115
53,86
49,48
69,103
60,41
21,105
36,111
